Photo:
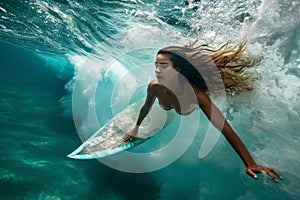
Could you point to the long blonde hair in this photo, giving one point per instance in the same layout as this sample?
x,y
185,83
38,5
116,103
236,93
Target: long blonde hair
x,y
232,63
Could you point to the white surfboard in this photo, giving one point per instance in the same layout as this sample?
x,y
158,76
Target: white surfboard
x,y
108,140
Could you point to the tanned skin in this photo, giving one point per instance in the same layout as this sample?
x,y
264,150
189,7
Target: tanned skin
x,y
167,76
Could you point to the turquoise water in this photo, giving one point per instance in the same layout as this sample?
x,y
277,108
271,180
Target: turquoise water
x,y
45,45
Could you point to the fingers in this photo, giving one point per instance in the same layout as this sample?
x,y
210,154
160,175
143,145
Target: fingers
x,y
269,171
272,176
127,138
251,173
277,173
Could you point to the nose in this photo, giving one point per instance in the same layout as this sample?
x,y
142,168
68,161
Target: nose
x,y
157,70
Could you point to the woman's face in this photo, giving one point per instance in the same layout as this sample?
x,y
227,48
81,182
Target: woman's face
x,y
164,71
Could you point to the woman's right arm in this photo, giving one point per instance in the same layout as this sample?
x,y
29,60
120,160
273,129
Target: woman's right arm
x,y
143,112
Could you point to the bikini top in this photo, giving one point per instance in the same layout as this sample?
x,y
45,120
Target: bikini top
x,y
191,108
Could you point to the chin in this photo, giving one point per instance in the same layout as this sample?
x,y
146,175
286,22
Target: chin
x,y
159,79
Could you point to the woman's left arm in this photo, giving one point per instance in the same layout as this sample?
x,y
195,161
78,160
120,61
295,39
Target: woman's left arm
x,y
218,120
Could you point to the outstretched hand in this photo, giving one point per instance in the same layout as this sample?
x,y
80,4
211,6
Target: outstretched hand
x,y
252,170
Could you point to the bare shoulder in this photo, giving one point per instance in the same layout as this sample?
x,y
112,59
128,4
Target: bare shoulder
x,y
152,86
153,83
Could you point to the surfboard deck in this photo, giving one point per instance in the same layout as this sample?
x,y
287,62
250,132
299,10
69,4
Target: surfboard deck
x,y
108,140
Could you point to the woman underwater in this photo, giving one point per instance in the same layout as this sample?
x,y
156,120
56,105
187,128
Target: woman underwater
x,y
179,68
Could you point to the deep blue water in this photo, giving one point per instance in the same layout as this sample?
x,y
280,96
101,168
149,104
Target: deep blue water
x,y
48,47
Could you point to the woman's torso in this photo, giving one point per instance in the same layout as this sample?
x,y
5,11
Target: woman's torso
x,y
183,103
